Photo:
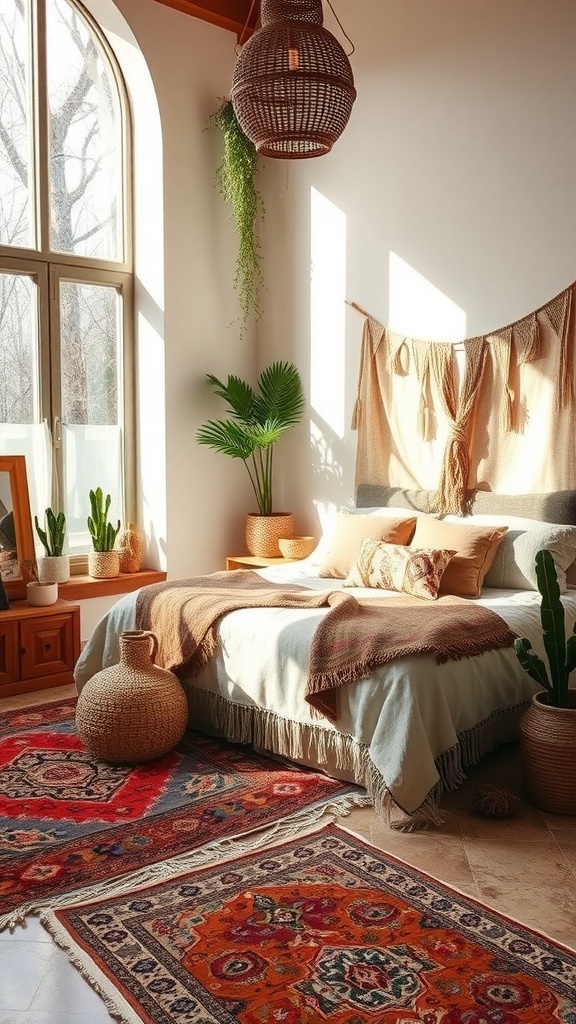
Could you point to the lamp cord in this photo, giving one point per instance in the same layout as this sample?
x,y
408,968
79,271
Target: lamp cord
x,y
240,39
343,30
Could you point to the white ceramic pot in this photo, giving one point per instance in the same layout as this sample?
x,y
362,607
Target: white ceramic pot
x,y
54,569
41,594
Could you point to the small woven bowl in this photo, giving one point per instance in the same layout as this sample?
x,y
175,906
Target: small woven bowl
x,y
296,547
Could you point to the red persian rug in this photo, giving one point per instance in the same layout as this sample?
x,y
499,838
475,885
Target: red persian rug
x,y
70,822
320,928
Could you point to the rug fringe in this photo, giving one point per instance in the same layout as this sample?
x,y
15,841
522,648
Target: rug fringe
x,y
285,828
110,995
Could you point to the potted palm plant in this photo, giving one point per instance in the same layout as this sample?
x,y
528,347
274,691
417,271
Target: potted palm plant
x,y
104,560
548,728
259,418
54,566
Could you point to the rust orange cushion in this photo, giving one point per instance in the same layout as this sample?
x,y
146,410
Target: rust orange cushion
x,y
474,547
351,530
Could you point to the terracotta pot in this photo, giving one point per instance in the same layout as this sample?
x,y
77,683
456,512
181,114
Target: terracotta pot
x,y
130,545
264,531
103,565
548,754
134,711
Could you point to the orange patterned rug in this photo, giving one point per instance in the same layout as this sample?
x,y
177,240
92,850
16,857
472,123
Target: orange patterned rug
x,y
320,928
70,822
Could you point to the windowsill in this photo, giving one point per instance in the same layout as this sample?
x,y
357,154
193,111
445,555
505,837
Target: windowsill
x,y
82,587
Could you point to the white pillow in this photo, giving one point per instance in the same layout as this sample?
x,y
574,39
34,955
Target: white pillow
x,y
514,565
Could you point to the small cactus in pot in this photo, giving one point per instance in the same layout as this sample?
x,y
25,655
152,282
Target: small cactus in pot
x,y
54,566
103,561
561,652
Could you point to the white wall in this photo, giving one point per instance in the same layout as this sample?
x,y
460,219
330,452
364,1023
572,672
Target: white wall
x,y
446,209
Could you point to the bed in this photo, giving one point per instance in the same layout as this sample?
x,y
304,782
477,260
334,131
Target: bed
x,y
406,730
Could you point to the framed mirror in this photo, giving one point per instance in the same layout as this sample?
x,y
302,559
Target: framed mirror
x,y
16,537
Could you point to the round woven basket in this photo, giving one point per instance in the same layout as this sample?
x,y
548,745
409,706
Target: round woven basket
x,y
296,547
548,754
134,711
264,531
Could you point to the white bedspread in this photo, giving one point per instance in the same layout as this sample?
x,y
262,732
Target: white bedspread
x,y
405,733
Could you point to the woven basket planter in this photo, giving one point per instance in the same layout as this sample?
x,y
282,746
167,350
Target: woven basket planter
x,y
548,754
103,565
264,531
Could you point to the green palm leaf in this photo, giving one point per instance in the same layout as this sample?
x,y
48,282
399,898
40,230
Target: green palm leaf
x,y
259,418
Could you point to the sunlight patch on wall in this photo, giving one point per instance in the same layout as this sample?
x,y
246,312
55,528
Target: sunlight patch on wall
x,y
420,310
327,311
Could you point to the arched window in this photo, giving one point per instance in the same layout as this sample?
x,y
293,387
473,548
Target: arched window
x,y
66,331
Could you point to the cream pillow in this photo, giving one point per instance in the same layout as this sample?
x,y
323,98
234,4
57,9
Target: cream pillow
x,y
396,567
474,546
514,565
350,530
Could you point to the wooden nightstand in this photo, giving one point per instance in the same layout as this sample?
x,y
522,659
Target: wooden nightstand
x,y
38,646
254,562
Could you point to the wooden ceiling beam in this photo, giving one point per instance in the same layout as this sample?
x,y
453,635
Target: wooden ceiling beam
x,y
228,14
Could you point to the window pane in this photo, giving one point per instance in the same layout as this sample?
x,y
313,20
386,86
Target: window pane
x,y
85,140
19,372
92,406
16,208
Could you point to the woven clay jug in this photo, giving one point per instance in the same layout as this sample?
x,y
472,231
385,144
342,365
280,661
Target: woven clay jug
x,y
134,711
548,754
130,544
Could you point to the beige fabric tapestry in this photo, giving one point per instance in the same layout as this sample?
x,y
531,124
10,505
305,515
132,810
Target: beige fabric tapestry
x,y
496,412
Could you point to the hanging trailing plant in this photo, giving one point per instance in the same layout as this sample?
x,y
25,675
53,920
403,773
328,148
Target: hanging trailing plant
x,y
236,179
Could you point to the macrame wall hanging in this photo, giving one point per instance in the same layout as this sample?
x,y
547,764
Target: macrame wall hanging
x,y
497,412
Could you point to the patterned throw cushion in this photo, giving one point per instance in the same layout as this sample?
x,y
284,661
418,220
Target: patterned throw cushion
x,y
395,567
351,530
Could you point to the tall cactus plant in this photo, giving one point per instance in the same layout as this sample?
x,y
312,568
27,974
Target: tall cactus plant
x,y
561,652
52,537
102,532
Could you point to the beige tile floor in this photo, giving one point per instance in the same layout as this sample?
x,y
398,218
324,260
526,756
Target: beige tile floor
x,y
524,867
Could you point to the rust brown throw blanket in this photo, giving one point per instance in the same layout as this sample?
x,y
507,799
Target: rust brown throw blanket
x,y
353,637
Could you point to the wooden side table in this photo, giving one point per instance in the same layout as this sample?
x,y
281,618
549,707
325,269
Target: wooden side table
x,y
38,646
254,562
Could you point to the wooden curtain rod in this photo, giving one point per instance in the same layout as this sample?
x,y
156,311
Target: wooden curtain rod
x,y
358,308
458,346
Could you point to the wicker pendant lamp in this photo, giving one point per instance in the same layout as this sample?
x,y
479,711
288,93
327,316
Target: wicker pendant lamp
x,y
292,88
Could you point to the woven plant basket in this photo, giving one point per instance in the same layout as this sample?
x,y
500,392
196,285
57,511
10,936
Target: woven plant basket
x,y
548,754
134,711
264,531
103,565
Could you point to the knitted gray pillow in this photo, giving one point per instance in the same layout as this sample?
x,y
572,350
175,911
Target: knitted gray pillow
x,y
514,565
